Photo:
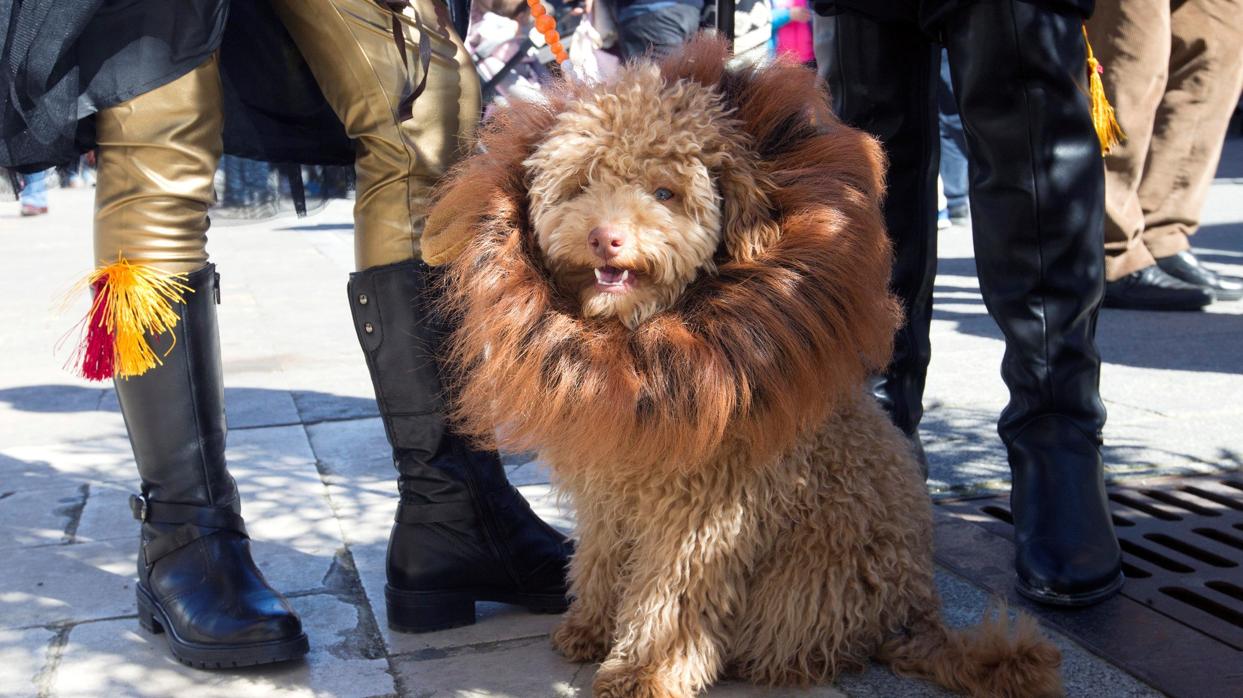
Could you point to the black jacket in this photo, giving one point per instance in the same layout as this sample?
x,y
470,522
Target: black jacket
x,y
61,62
929,13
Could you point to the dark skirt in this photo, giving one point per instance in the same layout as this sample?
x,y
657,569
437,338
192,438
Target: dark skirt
x,y
61,62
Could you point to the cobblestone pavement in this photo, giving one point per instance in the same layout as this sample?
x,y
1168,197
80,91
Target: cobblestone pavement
x,y
310,456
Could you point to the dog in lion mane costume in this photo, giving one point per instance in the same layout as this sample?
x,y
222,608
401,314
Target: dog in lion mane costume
x,y
672,285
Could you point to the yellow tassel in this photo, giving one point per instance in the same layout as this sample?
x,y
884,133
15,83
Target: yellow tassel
x,y
1107,129
131,302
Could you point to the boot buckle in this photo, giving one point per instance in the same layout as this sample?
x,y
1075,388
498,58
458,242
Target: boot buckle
x,y
138,506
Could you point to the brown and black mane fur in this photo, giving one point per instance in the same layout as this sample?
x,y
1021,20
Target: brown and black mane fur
x,y
795,318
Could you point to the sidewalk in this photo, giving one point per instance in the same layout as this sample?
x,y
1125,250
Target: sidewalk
x,y
318,488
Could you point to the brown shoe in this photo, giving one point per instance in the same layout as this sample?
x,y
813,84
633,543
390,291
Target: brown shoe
x,y
28,210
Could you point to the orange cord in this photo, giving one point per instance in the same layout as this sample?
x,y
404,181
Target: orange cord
x,y
547,25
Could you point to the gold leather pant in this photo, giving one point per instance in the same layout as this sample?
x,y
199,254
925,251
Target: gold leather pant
x,y
155,181
157,157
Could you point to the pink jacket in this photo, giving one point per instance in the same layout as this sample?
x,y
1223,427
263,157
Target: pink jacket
x,y
794,38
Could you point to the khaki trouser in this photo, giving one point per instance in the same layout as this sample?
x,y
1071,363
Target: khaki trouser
x,y
1173,72
158,151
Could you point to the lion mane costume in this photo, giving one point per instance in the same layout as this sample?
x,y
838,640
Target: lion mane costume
x,y
744,508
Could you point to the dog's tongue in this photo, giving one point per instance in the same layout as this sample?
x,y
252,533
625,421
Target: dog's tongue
x,y
610,276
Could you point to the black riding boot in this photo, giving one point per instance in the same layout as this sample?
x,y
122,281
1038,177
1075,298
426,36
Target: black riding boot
x,y
196,579
883,79
462,533
1037,193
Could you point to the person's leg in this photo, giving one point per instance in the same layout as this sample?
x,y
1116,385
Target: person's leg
x,y
462,532
350,49
34,194
882,78
196,579
953,147
234,186
1037,201
822,29
1205,77
1132,41
1131,38
657,33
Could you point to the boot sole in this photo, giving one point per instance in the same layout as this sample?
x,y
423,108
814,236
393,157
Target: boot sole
x,y
152,618
1070,600
426,611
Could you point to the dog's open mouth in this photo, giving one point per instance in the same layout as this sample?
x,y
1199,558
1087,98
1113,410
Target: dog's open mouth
x,y
614,279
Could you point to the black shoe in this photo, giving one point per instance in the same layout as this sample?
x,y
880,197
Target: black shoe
x,y
1040,260
1066,552
1185,267
960,215
462,533
197,582
1151,288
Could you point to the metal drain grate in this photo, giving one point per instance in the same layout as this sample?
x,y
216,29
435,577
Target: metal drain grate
x,y
1182,548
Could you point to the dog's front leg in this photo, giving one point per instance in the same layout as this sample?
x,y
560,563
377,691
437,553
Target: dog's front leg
x,y
595,571
682,586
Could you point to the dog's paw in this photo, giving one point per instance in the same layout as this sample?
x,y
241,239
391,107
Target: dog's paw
x,y
615,680
579,643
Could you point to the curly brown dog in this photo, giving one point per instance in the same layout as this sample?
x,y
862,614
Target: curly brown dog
x,y
673,286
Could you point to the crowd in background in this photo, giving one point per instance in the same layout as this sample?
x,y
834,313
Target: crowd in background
x,y
34,186
1157,178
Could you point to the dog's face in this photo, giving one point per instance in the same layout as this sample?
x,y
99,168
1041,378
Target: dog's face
x,y
625,202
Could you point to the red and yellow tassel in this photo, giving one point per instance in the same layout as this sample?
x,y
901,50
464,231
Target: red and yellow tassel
x,y
131,301
1103,119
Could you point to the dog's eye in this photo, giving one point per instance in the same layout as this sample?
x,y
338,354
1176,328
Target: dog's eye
x,y
663,194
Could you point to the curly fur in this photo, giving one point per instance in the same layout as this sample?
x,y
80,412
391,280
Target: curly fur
x,y
744,508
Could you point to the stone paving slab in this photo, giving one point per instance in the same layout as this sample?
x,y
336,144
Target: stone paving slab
x,y
23,656
526,667
117,658
106,459
106,514
39,516
68,583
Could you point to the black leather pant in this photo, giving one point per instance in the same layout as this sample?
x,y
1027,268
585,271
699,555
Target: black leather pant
x,y
1036,194
883,79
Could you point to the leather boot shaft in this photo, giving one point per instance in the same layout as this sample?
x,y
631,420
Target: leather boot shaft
x,y
175,413
1037,202
393,317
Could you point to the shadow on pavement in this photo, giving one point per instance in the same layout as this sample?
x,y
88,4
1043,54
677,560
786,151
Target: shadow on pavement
x,y
72,569
966,456
1183,341
312,406
318,227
